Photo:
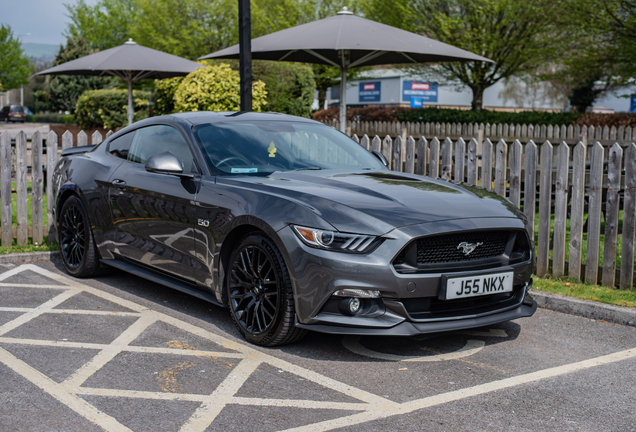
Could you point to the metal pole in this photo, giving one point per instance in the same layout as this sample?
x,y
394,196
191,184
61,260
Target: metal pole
x,y
22,95
343,99
131,112
245,54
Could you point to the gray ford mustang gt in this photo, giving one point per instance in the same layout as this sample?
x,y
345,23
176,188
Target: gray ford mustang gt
x,y
293,226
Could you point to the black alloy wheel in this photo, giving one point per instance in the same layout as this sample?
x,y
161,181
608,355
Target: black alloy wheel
x,y
73,235
259,293
79,254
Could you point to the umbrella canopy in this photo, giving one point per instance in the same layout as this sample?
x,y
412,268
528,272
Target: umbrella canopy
x,y
129,62
347,41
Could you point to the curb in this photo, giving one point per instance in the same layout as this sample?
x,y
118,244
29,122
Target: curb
x,y
28,257
585,308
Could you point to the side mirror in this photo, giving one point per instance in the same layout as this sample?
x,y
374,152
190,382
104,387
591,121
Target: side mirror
x,y
164,163
381,157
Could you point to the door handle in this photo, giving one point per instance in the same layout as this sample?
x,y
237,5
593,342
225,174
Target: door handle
x,y
119,184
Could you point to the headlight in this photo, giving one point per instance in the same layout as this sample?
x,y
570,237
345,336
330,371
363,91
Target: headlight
x,y
337,241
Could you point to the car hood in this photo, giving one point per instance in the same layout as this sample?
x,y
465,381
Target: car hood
x,y
375,202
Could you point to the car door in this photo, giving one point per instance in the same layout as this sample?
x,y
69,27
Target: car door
x,y
152,213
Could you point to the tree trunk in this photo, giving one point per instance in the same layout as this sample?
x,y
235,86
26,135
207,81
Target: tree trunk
x,y
322,96
478,98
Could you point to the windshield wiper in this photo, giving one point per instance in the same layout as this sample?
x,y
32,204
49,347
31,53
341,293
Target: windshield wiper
x,y
308,168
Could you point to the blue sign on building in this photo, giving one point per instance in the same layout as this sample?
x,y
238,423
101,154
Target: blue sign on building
x,y
417,102
632,104
427,91
370,91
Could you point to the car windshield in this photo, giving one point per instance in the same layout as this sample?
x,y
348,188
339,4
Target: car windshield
x,y
17,109
257,147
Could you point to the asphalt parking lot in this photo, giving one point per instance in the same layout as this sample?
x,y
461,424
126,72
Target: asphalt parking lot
x,y
118,353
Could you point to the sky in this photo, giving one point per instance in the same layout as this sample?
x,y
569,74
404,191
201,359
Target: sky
x,y
45,20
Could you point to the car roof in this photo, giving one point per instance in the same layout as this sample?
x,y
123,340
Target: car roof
x,y
204,117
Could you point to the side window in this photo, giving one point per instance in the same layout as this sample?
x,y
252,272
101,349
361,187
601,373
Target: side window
x,y
153,140
121,145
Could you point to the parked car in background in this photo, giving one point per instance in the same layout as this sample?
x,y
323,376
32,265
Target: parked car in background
x,y
293,226
13,113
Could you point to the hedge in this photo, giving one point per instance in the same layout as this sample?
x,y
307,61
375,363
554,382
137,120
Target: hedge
x,y
446,115
109,108
215,88
290,86
165,90
51,118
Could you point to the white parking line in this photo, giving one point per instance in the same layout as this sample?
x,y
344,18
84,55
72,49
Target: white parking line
x,y
372,406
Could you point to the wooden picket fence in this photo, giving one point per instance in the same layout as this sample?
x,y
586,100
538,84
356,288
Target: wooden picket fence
x,y
22,161
520,165
579,175
509,132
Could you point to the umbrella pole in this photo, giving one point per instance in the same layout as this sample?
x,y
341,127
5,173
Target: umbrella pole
x,y
343,99
130,99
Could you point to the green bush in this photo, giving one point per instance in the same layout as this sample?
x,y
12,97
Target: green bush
x,y
108,108
215,88
444,115
51,118
165,90
290,86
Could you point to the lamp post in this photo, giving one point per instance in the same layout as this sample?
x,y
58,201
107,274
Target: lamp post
x,y
245,54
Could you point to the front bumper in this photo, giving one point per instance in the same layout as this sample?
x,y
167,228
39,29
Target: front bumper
x,y
316,274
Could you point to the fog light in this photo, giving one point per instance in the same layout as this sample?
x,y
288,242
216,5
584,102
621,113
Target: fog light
x,y
354,305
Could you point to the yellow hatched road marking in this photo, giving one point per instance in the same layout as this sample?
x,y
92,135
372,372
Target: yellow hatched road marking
x,y
373,407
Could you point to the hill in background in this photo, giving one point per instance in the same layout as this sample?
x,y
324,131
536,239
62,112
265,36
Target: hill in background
x,y
40,51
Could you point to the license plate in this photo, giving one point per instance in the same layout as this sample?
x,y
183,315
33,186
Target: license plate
x,y
479,285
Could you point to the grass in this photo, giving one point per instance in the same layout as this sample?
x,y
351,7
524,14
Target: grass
x,y
30,247
584,291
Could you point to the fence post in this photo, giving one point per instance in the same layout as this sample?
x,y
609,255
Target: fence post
x,y
472,162
364,142
530,186
560,210
397,154
447,158
500,168
355,138
577,214
387,149
460,151
5,188
629,219
96,138
21,188
376,144
515,173
486,162
595,192
434,163
545,204
51,161
611,214
36,188
409,157
67,140
422,156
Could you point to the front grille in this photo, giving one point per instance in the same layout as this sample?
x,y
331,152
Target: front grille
x,y
444,248
442,253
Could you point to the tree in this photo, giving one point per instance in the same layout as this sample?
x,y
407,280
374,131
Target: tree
x,y
515,35
63,90
15,67
103,25
187,28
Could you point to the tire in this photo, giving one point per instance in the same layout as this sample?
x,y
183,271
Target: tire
x,y
79,252
259,293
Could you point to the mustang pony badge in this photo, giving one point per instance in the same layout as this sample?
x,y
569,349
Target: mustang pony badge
x,y
468,248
